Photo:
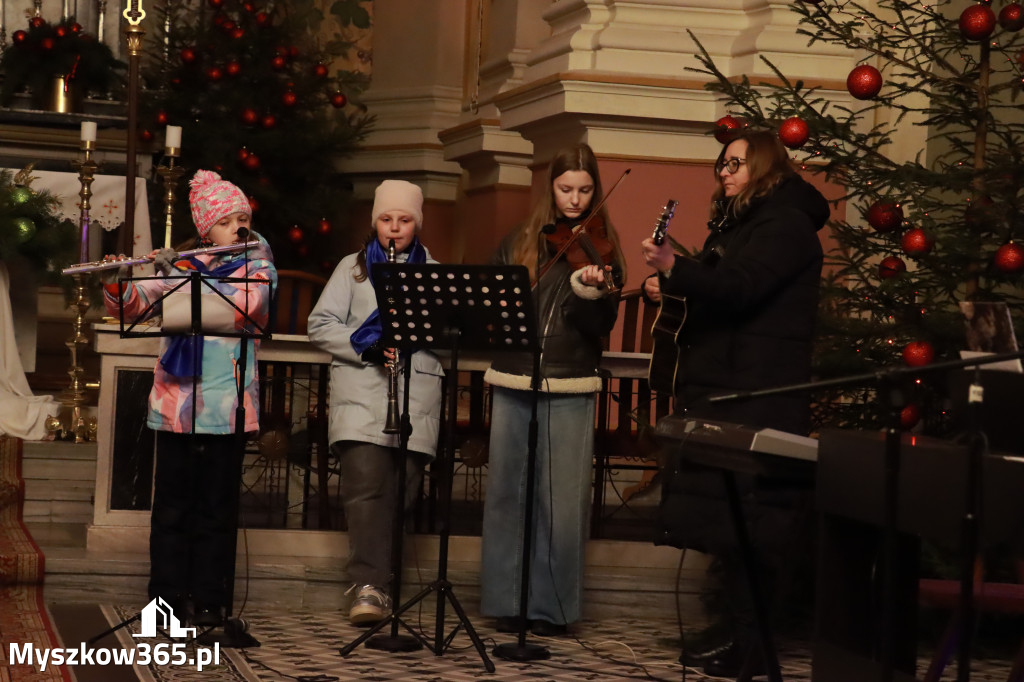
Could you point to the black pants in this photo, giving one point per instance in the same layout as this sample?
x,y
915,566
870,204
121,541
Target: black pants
x,y
192,533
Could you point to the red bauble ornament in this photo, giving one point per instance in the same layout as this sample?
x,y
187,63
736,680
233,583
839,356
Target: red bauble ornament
x,y
1010,258
243,154
918,354
268,121
254,204
37,22
1011,17
176,82
219,19
725,127
46,44
61,31
251,162
338,100
977,22
228,26
76,27
916,242
864,82
295,234
321,71
794,132
161,118
910,416
188,55
216,4
289,99
293,51
278,62
890,267
325,226
238,33
249,7
215,73
885,216
262,18
250,117
146,135
233,69
19,37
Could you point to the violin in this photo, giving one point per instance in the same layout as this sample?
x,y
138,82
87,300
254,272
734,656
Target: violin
x,y
585,243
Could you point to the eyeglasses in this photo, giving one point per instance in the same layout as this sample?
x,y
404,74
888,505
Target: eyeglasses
x,y
732,164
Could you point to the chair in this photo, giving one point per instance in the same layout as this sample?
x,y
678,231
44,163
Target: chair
x,y
625,408
297,293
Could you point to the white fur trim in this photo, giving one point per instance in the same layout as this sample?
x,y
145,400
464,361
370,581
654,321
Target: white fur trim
x,y
586,291
521,382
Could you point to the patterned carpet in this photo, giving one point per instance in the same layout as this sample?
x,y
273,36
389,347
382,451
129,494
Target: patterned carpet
x,y
303,646
23,616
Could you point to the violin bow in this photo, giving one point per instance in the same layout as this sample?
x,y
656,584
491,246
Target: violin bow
x,y
576,230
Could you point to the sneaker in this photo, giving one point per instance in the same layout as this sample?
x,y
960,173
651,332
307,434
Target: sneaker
x,y
370,606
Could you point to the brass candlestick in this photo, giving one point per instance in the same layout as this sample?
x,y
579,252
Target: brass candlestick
x,y
170,174
133,32
73,396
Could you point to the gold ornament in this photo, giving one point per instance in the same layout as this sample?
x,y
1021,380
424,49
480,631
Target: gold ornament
x,y
25,229
19,195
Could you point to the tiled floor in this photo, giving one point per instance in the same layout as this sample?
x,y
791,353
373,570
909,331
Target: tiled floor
x,y
304,646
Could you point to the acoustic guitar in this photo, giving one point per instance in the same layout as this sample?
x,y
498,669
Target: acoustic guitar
x,y
661,375
664,369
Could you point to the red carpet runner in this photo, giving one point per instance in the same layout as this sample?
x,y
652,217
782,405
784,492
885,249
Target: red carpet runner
x,y
23,617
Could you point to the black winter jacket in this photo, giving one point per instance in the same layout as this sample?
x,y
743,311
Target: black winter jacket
x,y
751,301
569,327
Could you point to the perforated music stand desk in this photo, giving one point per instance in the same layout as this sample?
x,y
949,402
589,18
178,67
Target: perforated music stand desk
x,y
454,307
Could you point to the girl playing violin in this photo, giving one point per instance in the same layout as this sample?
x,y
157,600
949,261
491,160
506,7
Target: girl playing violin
x,y
575,309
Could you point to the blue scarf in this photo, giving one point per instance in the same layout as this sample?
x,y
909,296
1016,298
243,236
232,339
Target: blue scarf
x,y
369,331
184,355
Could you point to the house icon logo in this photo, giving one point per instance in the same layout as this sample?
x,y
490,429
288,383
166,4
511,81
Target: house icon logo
x,y
159,614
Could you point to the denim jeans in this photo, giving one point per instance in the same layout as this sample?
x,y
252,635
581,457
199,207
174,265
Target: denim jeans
x,y
369,476
565,453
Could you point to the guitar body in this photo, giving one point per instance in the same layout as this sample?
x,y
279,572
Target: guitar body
x,y
664,369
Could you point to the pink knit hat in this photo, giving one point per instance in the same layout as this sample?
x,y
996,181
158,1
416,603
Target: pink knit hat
x,y
398,195
213,198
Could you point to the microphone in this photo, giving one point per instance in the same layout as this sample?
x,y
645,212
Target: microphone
x,y
243,233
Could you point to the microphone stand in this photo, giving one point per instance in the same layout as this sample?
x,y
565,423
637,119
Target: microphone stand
x,y
888,379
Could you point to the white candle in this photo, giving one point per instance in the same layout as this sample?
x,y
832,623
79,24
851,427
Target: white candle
x,y
173,138
88,131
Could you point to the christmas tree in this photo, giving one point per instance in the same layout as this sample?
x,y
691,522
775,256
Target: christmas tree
x,y
32,228
920,235
252,87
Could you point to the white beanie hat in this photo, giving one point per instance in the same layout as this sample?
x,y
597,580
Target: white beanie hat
x,y
398,195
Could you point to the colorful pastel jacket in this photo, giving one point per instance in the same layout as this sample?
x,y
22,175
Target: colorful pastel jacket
x,y
213,396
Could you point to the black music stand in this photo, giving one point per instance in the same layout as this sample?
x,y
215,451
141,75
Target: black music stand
x,y
888,382
235,634
456,307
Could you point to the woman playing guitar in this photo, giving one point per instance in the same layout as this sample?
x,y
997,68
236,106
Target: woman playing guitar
x,y
751,300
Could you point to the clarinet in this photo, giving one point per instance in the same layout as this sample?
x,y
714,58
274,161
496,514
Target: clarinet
x,y
391,422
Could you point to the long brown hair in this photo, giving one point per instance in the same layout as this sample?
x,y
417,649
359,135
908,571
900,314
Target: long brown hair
x,y
768,165
530,240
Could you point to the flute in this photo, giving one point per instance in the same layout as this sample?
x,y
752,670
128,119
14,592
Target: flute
x,y
97,265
